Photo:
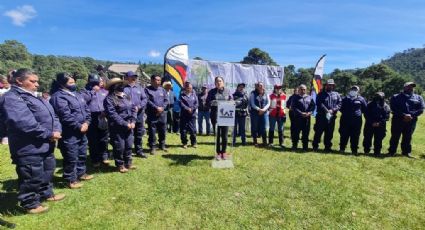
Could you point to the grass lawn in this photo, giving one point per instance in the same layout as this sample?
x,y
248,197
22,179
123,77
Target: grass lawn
x,y
268,188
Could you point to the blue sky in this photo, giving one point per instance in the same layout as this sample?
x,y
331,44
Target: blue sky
x,y
352,33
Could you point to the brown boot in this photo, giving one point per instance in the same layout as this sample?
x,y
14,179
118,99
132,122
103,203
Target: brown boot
x,y
75,185
56,197
122,169
86,177
131,167
38,210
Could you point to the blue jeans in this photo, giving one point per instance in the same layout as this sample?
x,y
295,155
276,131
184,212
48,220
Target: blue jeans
x,y
239,129
272,124
258,126
204,115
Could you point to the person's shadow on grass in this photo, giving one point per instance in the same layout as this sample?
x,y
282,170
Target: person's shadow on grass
x,y
185,159
9,198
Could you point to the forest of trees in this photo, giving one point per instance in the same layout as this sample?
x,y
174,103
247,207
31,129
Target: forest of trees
x,y
388,76
14,55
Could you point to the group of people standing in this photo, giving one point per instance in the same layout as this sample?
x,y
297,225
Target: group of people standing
x,y
115,111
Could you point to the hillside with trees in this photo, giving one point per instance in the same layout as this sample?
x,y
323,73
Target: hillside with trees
x,y
411,62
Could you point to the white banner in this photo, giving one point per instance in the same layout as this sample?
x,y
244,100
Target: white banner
x,y
226,113
203,72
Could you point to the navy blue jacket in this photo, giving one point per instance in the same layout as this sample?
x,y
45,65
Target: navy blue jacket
x,y
377,113
72,111
326,101
30,123
157,97
188,102
215,95
137,96
403,104
241,101
353,107
120,111
289,101
94,99
301,104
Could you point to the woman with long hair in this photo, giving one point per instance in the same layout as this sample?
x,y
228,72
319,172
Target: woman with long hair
x,y
74,116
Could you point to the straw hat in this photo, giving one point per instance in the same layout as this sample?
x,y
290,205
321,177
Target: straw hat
x,y
113,81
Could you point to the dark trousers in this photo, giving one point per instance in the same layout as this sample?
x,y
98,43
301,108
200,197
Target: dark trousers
x,y
74,152
97,140
375,133
258,126
139,130
321,126
35,181
280,121
176,121
221,139
239,129
122,141
400,128
153,128
300,125
188,125
350,129
170,119
291,119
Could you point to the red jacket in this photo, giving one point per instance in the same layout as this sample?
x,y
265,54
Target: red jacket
x,y
277,105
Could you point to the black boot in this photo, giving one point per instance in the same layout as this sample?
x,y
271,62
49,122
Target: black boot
x,y
280,139
271,137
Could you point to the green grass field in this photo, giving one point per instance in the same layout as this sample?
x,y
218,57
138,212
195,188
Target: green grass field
x,y
267,189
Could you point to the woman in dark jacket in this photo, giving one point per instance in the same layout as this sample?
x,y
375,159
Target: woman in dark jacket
x,y
74,116
121,115
219,93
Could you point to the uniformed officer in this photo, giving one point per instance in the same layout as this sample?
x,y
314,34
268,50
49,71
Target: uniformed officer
x,y
406,107
291,112
241,100
121,114
353,106
97,134
137,95
156,114
33,129
171,117
259,104
328,104
302,106
188,103
277,114
75,118
377,114
219,93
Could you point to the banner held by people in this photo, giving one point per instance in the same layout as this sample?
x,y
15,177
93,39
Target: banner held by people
x,y
175,66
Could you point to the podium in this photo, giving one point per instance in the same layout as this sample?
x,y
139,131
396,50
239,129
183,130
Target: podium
x,y
226,112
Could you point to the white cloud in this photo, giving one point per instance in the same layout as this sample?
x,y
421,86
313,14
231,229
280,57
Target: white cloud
x,y
21,15
154,53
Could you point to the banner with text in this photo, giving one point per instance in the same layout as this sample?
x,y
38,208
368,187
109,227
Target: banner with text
x,y
202,72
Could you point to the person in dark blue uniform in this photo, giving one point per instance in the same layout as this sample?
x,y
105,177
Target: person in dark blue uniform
x,y
121,114
406,107
138,97
97,134
156,113
33,128
353,106
75,118
241,101
328,104
188,103
291,112
302,106
171,116
377,114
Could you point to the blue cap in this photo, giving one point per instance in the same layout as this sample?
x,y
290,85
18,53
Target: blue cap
x,y
131,74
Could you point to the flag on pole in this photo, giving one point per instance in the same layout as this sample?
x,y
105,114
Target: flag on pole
x,y
316,82
175,66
